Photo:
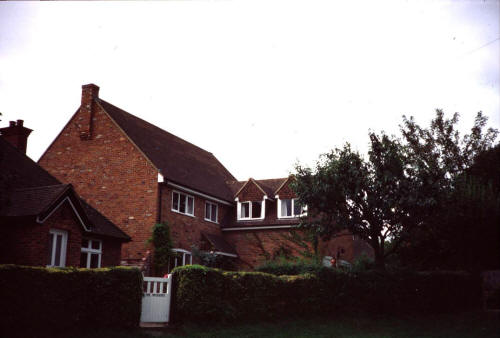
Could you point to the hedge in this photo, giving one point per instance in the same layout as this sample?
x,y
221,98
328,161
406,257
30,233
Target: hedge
x,y
55,300
287,267
204,294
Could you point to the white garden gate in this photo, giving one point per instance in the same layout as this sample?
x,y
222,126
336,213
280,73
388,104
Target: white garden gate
x,y
156,300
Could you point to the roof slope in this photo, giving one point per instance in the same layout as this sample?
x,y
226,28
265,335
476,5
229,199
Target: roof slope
x,y
219,243
32,201
25,181
178,160
269,185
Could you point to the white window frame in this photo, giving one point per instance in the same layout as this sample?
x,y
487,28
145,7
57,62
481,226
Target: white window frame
x,y
64,244
293,215
210,204
89,251
184,254
250,218
186,196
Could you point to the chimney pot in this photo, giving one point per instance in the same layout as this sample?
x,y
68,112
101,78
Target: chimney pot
x,y
12,123
20,123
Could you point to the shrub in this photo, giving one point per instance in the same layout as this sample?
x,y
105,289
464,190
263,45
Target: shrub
x,y
204,294
162,242
283,266
52,300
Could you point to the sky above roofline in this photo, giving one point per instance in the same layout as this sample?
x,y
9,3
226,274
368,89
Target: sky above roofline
x,y
260,84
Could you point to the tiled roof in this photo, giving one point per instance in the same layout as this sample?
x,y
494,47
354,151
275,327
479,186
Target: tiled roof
x,y
32,201
101,225
26,189
179,161
220,244
268,185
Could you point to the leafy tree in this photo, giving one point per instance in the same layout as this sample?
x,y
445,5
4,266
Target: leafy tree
x,y
370,198
464,232
400,190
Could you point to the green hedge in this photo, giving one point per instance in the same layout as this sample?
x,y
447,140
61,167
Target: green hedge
x,y
290,267
54,300
205,294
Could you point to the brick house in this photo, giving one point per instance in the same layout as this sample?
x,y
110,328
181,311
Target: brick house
x,y
137,174
44,222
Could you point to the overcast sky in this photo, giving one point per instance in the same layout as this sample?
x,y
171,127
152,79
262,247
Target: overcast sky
x,y
261,84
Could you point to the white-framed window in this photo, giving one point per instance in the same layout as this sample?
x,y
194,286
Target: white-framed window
x,y
91,254
182,203
211,210
58,242
250,210
290,207
182,257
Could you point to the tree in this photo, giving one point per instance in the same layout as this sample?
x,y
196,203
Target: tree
x,y
370,198
457,222
464,232
401,188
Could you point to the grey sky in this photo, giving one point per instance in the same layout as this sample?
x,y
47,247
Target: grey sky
x,y
260,84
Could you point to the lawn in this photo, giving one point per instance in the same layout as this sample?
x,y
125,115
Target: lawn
x,y
462,325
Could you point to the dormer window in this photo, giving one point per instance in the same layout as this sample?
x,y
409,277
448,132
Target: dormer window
x,y
250,210
288,208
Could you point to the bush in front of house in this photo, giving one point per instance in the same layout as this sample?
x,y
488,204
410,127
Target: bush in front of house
x,y
282,266
55,300
211,295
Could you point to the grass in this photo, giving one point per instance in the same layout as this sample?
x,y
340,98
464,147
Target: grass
x,y
457,326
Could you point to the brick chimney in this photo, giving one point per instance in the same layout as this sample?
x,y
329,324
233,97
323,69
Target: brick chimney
x,y
87,109
16,134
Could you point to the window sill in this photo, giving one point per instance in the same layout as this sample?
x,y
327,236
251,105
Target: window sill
x,y
181,213
249,219
288,217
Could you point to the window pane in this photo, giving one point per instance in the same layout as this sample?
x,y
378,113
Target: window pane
x,y
297,208
96,245
256,209
245,210
94,261
190,206
85,243
188,259
214,213
51,246
83,260
58,250
207,210
286,207
182,207
175,201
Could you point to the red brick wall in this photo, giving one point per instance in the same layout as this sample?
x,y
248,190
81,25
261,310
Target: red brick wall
x,y
186,230
251,193
343,244
111,174
111,252
28,243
